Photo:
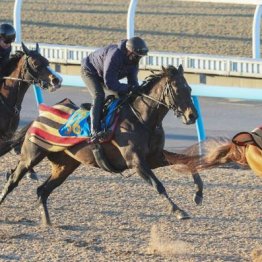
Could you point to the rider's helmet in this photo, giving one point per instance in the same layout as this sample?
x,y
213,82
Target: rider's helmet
x,y
7,33
137,46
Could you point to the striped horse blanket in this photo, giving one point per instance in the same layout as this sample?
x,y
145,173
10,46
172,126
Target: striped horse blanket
x,y
44,131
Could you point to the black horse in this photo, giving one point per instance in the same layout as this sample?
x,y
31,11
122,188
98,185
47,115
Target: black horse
x,y
138,141
23,69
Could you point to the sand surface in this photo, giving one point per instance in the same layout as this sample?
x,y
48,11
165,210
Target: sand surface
x,y
167,25
98,216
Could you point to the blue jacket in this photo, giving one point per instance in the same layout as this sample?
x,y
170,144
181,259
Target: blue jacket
x,y
111,64
4,55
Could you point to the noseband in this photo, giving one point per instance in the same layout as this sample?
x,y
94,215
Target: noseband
x,y
33,73
28,70
167,92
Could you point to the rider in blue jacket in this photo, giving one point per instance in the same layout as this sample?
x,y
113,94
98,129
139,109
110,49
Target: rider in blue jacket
x,y
103,69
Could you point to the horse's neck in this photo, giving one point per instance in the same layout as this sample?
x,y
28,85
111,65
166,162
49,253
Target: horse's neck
x,y
12,89
17,72
149,110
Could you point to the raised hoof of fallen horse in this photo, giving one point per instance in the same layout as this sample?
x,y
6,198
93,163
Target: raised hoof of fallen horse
x,y
181,214
198,199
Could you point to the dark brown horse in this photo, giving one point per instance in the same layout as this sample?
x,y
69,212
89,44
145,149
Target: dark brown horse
x,y
138,141
22,70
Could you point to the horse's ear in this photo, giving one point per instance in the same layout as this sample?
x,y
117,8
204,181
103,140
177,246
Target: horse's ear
x,y
37,47
181,70
164,70
25,49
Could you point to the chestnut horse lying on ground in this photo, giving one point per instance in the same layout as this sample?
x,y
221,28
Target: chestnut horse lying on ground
x,y
138,141
245,149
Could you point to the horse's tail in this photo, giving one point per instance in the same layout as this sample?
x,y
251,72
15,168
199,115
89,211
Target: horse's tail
x,y
182,162
15,141
223,154
217,152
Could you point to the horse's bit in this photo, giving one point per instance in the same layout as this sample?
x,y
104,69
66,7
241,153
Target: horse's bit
x,y
29,70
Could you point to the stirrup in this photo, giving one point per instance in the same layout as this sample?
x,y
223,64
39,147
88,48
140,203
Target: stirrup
x,y
95,138
99,136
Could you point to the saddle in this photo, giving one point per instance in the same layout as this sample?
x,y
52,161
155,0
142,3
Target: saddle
x,y
245,138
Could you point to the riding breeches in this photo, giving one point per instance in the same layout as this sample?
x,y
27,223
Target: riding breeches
x,y
96,89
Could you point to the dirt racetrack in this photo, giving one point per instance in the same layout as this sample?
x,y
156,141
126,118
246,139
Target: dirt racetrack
x,y
99,216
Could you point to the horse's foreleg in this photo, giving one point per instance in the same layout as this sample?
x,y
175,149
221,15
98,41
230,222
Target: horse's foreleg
x,y
146,173
13,180
62,167
29,158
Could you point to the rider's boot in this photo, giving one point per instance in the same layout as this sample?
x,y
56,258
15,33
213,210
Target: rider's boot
x,y
95,114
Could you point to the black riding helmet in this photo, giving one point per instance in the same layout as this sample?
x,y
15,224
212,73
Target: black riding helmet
x,y
7,32
137,46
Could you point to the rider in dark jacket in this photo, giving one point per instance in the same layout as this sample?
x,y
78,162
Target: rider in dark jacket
x,y
7,36
105,67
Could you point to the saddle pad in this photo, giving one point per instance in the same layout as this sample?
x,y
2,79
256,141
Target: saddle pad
x,y
245,138
78,124
44,130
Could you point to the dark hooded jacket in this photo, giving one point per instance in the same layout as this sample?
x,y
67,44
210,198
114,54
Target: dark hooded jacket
x,y
4,56
111,64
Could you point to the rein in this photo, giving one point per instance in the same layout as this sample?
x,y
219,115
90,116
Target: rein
x,y
167,90
27,69
14,111
18,79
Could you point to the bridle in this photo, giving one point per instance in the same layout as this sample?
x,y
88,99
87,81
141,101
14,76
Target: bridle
x,y
29,74
167,92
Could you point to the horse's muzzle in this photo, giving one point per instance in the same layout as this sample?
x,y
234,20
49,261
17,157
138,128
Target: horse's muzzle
x,y
55,83
190,116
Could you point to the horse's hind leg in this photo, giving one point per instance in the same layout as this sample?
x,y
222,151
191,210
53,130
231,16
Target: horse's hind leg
x,y
62,167
31,155
187,163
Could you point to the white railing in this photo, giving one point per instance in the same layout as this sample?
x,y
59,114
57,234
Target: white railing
x,y
192,63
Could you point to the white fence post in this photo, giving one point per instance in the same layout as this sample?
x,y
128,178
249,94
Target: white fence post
x,y
130,30
256,32
17,20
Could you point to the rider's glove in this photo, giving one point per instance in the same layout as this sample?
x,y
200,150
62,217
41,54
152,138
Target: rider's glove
x,y
134,89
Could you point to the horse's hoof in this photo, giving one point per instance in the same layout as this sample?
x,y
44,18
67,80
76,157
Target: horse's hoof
x,y
198,199
181,214
32,176
7,175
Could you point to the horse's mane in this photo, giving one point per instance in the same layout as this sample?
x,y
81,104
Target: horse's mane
x,y
150,80
11,64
